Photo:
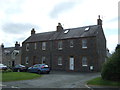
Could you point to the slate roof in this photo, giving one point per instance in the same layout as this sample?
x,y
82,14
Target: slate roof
x,y
72,33
10,49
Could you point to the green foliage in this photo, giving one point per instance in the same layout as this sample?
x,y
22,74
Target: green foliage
x,y
111,68
100,81
8,70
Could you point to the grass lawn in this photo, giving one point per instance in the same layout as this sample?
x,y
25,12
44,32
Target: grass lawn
x,y
14,76
100,81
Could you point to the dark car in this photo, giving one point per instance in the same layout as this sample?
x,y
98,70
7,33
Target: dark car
x,y
19,68
39,68
3,67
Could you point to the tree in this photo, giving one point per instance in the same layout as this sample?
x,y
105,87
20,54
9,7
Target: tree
x,y
111,68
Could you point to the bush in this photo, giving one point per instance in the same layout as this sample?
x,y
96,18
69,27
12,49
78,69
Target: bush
x,y
8,70
111,68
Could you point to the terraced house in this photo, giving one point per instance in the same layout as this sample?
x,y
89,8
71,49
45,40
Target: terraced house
x,y
11,56
75,49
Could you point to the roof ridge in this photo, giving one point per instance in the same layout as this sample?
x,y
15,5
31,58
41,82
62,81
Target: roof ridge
x,y
45,32
82,27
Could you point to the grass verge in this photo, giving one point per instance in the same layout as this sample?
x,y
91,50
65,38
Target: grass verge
x,y
15,76
100,81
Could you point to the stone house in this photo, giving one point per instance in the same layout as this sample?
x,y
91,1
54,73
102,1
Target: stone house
x,y
75,49
11,56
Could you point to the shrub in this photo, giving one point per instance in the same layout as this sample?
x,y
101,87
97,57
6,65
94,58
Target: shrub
x,y
8,70
111,68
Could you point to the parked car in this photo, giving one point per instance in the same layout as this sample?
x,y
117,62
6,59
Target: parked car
x,y
19,68
39,68
3,67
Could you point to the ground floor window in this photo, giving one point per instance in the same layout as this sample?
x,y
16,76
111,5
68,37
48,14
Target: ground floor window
x,y
59,60
26,59
43,60
84,61
9,63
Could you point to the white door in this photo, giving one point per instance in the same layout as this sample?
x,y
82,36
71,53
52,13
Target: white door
x,y
71,63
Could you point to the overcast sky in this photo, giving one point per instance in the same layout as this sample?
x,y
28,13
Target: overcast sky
x,y
18,17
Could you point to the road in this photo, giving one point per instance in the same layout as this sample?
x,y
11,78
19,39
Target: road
x,y
56,79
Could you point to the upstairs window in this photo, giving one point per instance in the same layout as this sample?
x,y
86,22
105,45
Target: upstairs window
x,y
84,43
27,47
59,45
59,60
84,61
35,46
43,45
71,43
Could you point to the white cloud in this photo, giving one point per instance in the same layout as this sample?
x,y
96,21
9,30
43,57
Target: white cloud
x,y
112,41
80,13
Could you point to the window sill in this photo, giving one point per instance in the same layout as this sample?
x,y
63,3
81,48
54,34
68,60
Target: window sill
x,y
59,48
60,64
84,47
71,46
84,65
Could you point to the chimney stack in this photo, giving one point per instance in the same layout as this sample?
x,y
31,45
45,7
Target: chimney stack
x,y
17,46
2,45
32,31
99,21
59,27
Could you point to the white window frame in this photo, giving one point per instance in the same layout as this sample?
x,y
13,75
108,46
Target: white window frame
x,y
35,46
84,43
43,45
59,60
26,60
60,45
71,43
84,61
27,47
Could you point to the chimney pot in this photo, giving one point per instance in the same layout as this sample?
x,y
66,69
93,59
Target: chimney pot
x,y
59,27
17,46
32,31
2,45
99,21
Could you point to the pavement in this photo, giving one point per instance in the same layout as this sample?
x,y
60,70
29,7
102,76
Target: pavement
x,y
57,79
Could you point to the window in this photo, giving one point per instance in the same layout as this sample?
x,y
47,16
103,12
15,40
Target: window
x,y
27,47
13,55
43,45
71,43
26,59
59,60
84,43
43,60
35,46
87,28
9,63
84,61
66,31
60,45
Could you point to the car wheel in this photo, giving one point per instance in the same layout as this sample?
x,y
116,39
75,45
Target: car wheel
x,y
48,72
39,72
28,70
18,70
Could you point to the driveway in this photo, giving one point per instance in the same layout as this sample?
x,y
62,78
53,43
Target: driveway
x,y
56,79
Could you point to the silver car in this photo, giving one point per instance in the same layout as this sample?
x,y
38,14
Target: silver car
x,y
3,67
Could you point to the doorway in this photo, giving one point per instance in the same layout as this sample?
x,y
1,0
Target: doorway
x,y
13,63
71,63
